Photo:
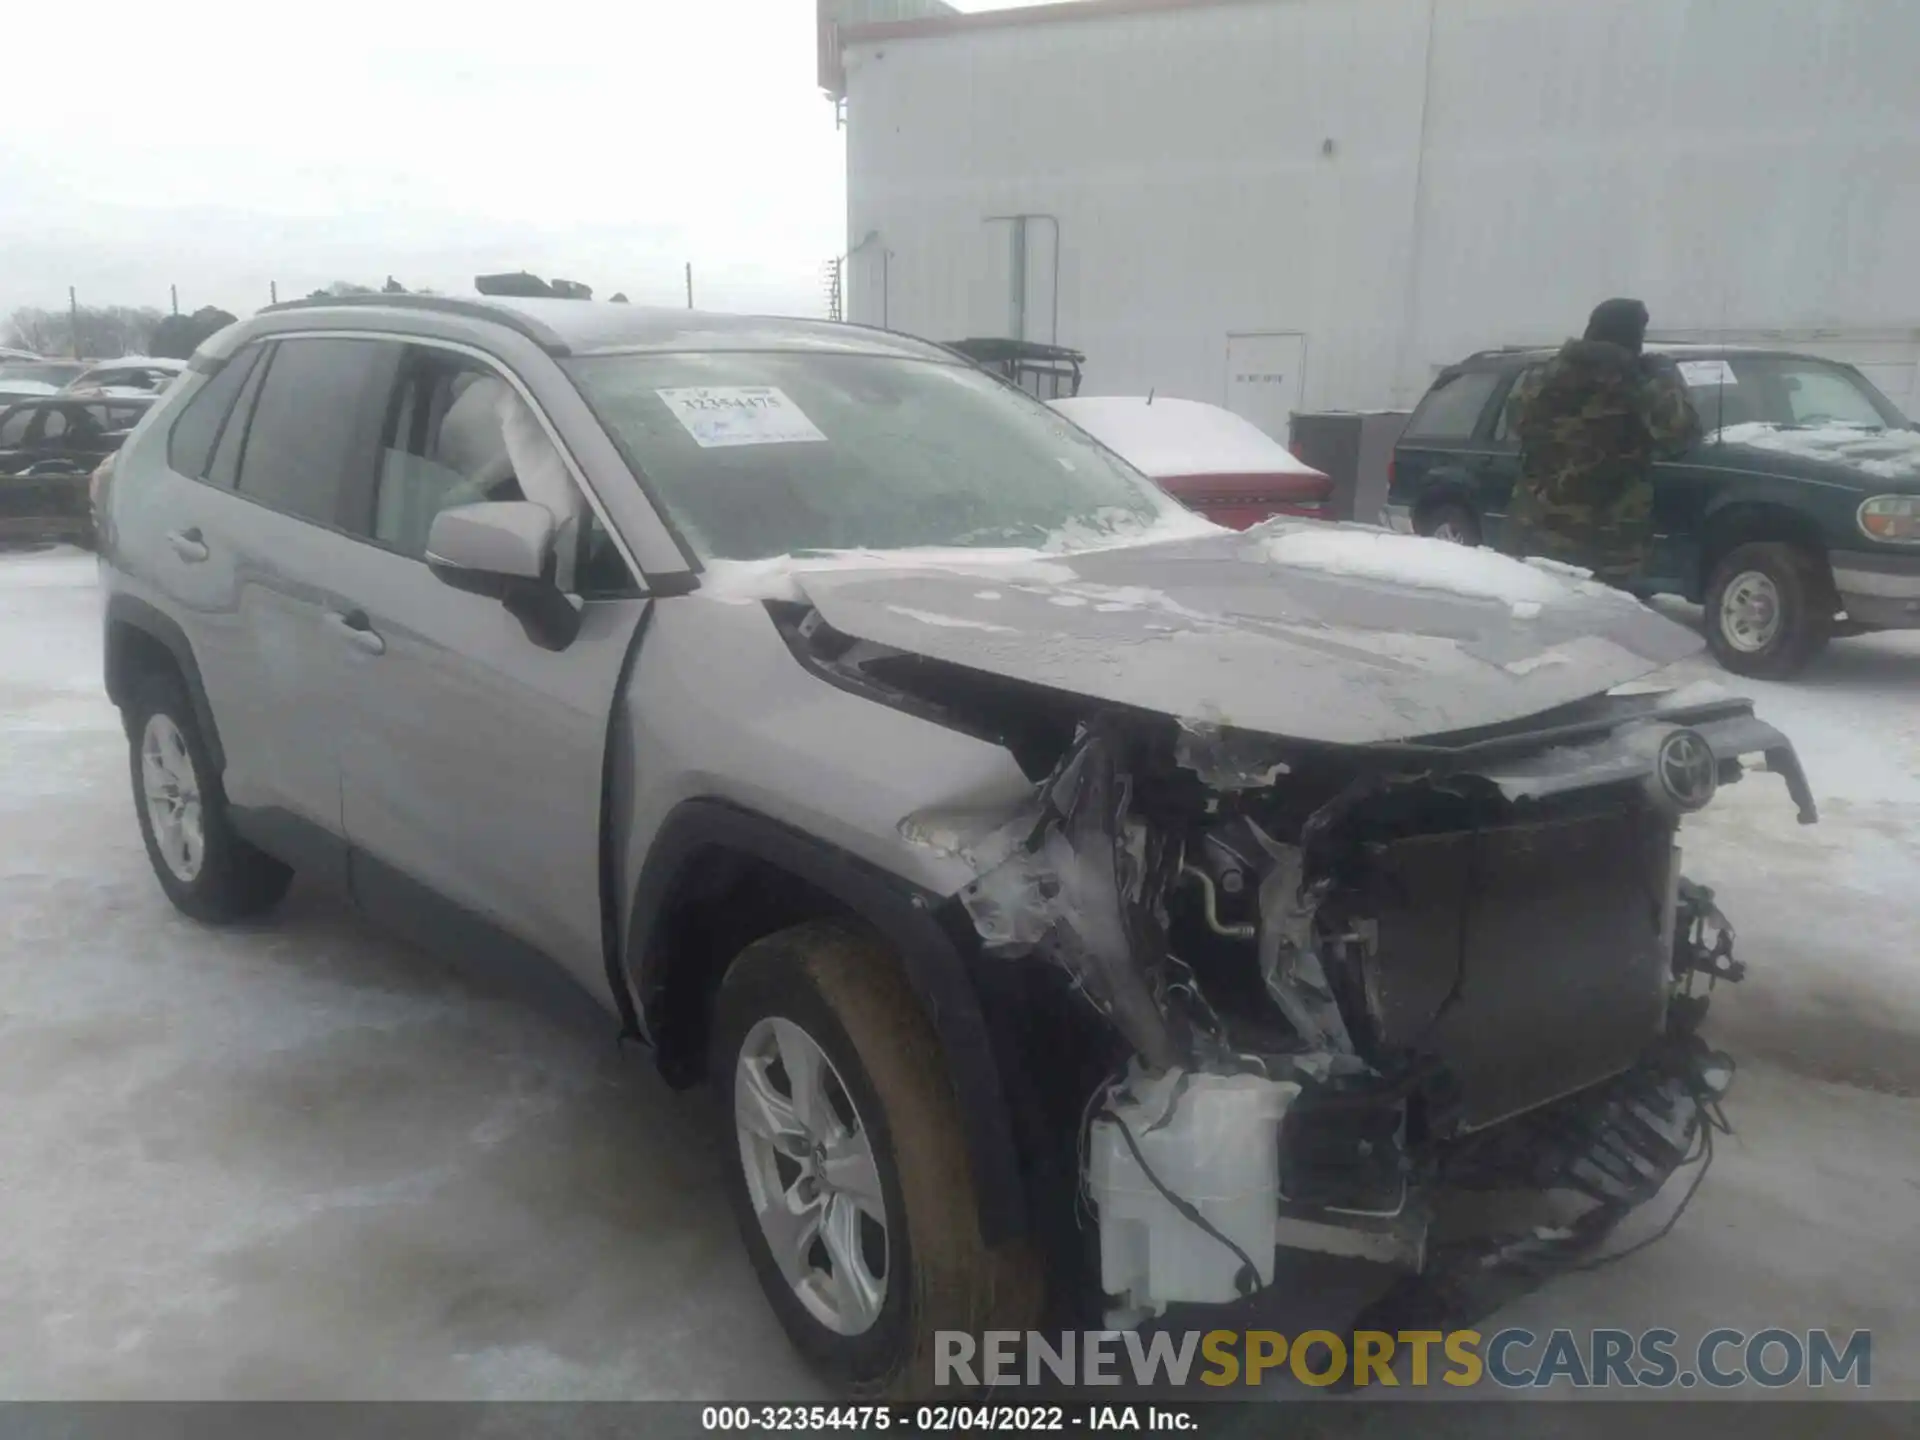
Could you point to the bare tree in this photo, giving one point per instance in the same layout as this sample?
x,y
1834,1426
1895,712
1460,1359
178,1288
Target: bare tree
x,y
104,331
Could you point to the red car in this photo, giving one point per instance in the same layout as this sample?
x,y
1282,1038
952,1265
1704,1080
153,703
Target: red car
x,y
1208,459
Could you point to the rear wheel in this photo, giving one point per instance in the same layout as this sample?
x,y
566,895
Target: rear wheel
x,y
851,1182
1768,610
207,870
1454,522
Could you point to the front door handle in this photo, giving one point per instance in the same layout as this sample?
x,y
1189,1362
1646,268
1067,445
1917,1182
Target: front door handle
x,y
188,545
358,630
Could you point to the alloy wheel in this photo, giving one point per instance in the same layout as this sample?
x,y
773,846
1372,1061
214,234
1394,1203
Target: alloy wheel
x,y
812,1176
171,791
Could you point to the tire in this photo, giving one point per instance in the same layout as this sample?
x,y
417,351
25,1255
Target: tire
x,y
846,995
227,879
1453,521
1769,609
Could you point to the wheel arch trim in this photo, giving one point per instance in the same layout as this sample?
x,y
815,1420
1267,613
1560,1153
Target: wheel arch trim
x,y
127,613
902,915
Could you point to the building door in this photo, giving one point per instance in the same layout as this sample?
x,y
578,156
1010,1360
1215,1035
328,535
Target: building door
x,y
1017,296
1265,375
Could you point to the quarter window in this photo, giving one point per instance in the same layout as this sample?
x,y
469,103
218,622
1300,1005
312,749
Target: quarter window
x,y
1453,408
225,469
190,443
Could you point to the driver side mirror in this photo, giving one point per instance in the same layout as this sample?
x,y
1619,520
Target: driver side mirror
x,y
503,549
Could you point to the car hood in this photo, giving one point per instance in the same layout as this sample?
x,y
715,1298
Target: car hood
x,y
1335,633
1851,455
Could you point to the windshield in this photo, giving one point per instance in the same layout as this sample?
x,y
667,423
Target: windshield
x,y
1784,391
759,454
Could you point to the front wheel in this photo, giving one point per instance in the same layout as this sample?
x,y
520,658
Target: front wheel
x,y
851,1182
1769,610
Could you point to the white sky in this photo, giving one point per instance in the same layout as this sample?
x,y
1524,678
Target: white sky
x,y
220,146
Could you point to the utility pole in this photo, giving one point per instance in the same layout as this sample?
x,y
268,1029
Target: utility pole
x,y
73,319
689,284
273,292
174,292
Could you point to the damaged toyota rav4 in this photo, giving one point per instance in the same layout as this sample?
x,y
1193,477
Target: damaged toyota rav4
x,y
1077,906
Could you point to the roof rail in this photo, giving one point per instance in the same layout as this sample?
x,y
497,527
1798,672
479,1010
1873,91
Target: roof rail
x,y
545,336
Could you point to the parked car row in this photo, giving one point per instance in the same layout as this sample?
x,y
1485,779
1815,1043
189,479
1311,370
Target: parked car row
x,y
131,377
49,449
62,434
59,420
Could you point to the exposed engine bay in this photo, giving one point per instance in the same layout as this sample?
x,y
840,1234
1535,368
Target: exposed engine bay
x,y
1342,979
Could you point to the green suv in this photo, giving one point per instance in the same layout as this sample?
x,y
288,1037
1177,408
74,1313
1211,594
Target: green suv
x,y
1796,519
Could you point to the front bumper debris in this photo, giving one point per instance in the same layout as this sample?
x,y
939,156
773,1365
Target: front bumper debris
x,y
1730,731
1339,991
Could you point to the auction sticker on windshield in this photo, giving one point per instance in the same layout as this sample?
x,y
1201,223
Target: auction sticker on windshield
x,y
1707,372
720,415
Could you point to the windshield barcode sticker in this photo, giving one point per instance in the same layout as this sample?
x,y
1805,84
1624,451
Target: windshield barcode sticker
x,y
1707,372
739,415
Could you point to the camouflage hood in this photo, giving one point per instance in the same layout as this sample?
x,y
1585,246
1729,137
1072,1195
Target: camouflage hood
x,y
1594,377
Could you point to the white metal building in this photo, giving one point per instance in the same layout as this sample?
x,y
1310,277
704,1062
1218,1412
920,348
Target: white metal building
x,y
1287,204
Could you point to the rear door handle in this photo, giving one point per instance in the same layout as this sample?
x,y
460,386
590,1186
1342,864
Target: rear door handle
x,y
358,630
188,545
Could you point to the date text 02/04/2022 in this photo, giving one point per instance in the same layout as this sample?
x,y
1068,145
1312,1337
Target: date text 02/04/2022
x,y
948,1419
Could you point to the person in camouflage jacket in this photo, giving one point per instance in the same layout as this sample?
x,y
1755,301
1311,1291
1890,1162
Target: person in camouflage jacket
x,y
1590,422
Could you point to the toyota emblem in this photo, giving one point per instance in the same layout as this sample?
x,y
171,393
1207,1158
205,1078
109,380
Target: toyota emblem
x,y
1686,769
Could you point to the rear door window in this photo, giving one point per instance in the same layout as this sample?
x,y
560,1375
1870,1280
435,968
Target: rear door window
x,y
314,432
13,429
197,429
1452,409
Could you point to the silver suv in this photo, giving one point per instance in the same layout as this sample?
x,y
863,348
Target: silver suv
x,y
1077,905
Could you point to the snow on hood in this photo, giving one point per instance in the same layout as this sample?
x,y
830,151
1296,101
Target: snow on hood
x,y
1373,638
1883,454
1422,563
778,578
1166,438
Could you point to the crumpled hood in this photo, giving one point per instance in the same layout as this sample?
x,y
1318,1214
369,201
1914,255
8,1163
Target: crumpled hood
x,y
1337,633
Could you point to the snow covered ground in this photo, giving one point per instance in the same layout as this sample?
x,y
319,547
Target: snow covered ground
x,y
304,1160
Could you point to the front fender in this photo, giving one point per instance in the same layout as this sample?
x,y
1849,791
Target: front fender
x,y
901,914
